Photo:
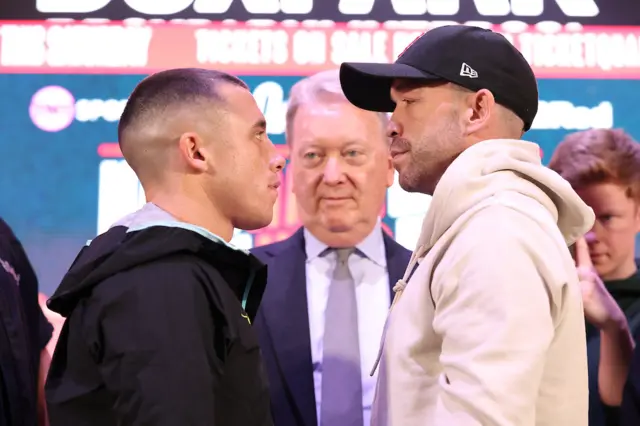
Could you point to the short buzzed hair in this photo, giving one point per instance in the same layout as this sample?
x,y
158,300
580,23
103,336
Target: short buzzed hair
x,y
320,87
158,95
168,88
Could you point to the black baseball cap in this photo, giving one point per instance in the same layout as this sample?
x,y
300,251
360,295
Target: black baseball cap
x,y
471,57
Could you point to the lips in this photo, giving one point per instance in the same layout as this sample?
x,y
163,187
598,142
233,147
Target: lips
x,y
399,146
275,185
396,153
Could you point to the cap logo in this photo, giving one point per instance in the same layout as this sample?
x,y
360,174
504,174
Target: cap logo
x,y
467,71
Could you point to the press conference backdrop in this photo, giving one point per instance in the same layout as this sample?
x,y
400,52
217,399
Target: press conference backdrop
x,y
64,85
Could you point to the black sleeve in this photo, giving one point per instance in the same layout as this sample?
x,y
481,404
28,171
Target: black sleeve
x,y
40,330
155,329
630,408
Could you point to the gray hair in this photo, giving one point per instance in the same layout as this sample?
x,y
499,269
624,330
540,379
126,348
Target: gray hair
x,y
321,87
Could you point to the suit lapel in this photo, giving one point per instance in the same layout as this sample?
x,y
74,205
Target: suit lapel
x,y
397,260
288,323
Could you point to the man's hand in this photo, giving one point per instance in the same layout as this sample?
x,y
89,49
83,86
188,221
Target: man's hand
x,y
600,309
616,343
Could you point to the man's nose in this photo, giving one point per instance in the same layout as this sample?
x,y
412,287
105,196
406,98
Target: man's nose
x,y
393,128
333,172
277,163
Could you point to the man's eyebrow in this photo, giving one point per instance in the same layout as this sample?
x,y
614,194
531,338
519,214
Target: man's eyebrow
x,y
260,124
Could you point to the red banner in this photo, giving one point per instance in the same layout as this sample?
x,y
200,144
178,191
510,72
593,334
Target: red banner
x,y
296,48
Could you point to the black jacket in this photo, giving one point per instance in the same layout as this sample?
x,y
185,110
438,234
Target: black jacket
x,y
156,334
24,333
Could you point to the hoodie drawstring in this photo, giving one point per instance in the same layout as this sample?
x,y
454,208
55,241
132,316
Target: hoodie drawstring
x,y
398,288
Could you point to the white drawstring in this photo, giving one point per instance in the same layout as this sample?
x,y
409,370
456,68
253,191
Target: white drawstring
x,y
400,285
397,289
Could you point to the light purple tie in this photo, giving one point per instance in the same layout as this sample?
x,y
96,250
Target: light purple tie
x,y
341,398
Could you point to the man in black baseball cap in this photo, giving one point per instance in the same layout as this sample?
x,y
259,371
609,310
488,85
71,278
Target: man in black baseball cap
x,y
487,325
456,59
471,57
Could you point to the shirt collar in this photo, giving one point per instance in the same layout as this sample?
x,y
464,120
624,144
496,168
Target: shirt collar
x,y
372,247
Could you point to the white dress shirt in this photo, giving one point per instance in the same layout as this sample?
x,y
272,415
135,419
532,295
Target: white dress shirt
x,y
369,271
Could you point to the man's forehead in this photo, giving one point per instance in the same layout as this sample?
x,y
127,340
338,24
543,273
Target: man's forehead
x,y
336,121
240,101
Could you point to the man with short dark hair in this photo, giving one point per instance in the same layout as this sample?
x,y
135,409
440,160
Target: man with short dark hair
x,y
488,330
159,308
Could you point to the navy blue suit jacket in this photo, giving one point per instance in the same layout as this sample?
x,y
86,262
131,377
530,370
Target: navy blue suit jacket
x,y
282,325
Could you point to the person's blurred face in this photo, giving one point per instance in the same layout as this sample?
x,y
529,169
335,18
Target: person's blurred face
x,y
341,170
425,132
612,238
246,165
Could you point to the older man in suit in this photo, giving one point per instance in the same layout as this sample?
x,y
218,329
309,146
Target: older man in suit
x,y
330,284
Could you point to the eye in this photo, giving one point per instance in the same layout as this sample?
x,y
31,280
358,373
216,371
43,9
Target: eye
x,y
260,134
606,219
352,153
407,101
310,155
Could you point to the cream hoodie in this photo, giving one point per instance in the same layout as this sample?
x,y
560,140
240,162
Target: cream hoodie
x,y
489,328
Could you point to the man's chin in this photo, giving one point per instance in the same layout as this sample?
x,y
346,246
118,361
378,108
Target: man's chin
x,y
253,223
407,183
338,223
603,269
414,183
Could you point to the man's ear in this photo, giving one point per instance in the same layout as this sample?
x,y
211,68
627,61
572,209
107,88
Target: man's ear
x,y
193,151
479,109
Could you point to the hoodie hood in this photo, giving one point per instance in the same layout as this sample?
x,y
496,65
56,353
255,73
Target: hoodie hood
x,y
151,234
493,167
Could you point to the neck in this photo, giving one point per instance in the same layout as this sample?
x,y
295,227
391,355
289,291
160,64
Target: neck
x,y
193,210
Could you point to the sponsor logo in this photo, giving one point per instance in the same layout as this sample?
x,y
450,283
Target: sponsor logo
x,y
52,108
564,115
